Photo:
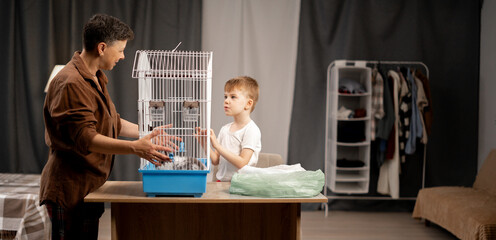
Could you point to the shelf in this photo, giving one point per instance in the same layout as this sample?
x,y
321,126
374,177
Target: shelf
x,y
350,187
348,138
366,143
350,177
353,119
352,168
353,94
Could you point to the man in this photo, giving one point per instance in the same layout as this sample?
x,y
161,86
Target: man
x,y
81,130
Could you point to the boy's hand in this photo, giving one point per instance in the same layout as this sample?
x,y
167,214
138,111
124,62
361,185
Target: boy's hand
x,y
213,139
201,136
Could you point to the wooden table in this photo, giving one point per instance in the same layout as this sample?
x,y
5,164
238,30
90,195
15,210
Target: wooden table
x,y
215,215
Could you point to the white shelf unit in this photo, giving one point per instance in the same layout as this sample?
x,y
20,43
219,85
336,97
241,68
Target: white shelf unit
x,y
338,175
347,180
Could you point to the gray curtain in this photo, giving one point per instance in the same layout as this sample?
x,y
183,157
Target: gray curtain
x,y
445,35
37,34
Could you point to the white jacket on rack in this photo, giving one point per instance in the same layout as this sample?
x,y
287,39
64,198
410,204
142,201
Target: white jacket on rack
x,y
389,179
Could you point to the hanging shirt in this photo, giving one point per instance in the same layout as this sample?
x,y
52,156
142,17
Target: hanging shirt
x,y
377,111
427,112
422,104
405,113
416,124
389,180
385,124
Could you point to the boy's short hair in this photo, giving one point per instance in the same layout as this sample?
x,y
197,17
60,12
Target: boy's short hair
x,y
104,28
246,84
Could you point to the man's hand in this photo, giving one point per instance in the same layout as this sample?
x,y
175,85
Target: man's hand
x,y
164,139
147,149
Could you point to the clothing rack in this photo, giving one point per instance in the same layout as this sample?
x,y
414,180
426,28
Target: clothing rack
x,y
390,65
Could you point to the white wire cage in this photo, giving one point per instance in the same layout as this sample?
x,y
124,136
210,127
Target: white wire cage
x,y
175,88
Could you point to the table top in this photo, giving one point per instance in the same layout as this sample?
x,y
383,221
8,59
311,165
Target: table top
x,y
217,192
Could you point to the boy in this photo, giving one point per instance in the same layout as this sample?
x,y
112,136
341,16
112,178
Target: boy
x,y
239,142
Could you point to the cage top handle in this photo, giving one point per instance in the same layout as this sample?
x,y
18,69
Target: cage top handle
x,y
177,46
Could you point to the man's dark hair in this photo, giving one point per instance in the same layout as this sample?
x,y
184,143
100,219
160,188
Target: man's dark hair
x,y
104,28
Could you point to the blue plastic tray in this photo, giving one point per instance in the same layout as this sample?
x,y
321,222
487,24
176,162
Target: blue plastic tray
x,y
174,182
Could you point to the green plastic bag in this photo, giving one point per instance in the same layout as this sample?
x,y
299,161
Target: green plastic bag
x,y
278,185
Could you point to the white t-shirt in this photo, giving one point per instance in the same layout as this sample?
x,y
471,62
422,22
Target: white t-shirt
x,y
247,137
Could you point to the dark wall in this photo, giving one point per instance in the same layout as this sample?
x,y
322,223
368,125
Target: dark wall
x,y
36,35
445,35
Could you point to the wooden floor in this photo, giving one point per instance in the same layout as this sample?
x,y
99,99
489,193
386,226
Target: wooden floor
x,y
348,225
367,225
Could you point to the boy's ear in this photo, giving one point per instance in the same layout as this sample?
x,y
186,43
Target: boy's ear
x,y
249,104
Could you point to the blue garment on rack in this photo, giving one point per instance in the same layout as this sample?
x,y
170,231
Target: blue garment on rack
x,y
416,124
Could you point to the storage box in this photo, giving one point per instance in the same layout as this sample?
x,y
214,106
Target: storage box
x,y
174,182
